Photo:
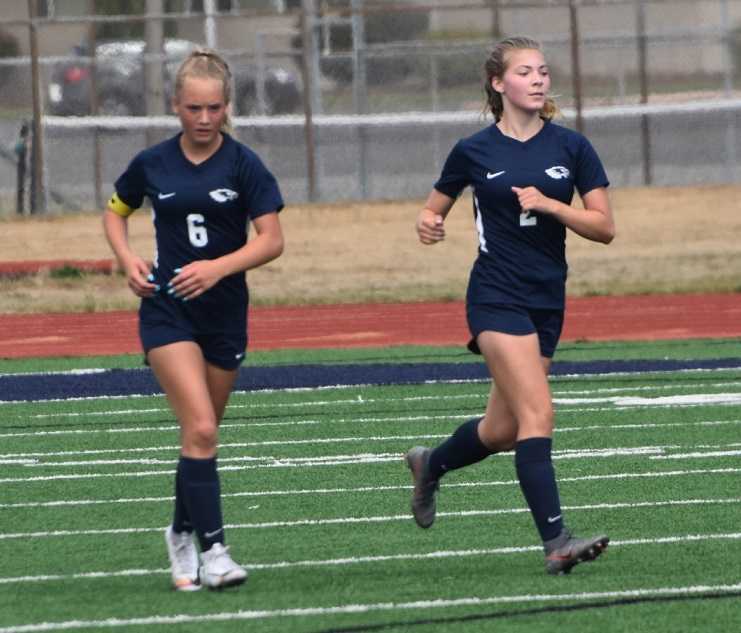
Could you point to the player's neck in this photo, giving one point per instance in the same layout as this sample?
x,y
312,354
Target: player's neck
x,y
198,153
521,126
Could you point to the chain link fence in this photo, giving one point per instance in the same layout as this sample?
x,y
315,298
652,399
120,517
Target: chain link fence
x,y
350,99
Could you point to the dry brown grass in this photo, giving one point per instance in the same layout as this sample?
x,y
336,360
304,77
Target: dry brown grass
x,y
669,239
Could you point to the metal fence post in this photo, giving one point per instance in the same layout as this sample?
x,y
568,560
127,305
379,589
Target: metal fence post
x,y
97,149
360,89
576,65
154,41
643,80
37,203
261,99
730,139
308,43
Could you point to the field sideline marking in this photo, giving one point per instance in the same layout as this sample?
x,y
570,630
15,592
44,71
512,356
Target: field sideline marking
x,y
472,381
361,401
378,519
354,609
318,491
338,440
269,461
381,558
446,417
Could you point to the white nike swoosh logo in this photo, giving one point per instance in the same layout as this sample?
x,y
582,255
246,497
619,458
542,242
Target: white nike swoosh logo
x,y
164,196
490,175
554,519
212,534
238,356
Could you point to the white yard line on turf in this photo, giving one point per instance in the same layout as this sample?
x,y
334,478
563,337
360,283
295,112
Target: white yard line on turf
x,y
698,454
381,558
271,461
338,440
378,519
365,401
354,560
555,379
361,489
355,609
362,420
288,462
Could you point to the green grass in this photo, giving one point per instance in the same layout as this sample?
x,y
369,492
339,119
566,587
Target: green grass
x,y
327,534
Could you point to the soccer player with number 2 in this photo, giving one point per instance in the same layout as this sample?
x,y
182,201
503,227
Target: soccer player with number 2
x,y
205,188
523,170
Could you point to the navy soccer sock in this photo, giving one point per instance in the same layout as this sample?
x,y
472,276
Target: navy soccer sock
x,y
181,518
202,497
538,483
463,448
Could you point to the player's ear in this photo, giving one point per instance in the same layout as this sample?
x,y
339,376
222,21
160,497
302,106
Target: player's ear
x,y
497,84
174,105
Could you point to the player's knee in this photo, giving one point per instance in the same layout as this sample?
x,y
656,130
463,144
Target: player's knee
x,y
201,434
537,421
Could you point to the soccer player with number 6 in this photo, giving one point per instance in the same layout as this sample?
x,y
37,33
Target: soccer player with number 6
x,y
205,187
523,170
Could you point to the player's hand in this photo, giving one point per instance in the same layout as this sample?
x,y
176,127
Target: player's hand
x,y
194,279
531,199
430,227
140,278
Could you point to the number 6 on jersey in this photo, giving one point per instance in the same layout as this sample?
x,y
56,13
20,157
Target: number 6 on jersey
x,y
196,229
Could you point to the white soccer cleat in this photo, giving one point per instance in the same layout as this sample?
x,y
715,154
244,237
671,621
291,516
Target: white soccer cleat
x,y
183,560
218,570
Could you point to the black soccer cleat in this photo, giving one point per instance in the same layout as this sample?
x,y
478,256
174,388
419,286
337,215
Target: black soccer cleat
x,y
572,551
423,497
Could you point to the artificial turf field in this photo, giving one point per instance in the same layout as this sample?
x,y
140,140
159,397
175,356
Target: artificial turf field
x,y
316,497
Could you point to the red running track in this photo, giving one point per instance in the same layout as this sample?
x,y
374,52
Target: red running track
x,y
372,325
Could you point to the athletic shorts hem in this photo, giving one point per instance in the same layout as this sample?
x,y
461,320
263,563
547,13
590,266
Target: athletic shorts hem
x,y
517,321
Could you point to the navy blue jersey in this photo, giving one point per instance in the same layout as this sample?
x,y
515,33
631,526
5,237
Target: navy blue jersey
x,y
522,258
199,211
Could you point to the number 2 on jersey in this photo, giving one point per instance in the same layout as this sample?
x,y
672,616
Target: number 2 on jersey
x,y
526,219
196,229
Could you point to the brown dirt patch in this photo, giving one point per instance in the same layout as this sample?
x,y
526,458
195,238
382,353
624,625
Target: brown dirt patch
x,y
669,240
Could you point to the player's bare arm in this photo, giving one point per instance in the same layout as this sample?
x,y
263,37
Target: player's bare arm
x,y
136,269
430,221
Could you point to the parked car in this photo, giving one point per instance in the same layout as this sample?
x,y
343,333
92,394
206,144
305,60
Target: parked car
x,y
120,82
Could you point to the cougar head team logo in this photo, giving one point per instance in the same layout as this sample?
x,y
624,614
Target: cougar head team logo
x,y
223,195
558,172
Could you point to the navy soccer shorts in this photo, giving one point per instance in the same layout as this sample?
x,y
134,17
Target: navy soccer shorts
x,y
517,320
164,320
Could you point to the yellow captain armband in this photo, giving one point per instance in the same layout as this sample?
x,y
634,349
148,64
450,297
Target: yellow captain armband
x,y
119,207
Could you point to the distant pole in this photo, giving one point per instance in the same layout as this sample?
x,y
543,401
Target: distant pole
x,y
495,21
209,27
359,65
153,33
97,151
38,200
643,80
576,65
307,28
360,89
730,139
